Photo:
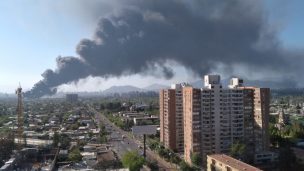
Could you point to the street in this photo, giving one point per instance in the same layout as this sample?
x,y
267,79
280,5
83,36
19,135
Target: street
x,y
128,143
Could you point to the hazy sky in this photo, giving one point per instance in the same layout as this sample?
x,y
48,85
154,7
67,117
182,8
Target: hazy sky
x,y
34,32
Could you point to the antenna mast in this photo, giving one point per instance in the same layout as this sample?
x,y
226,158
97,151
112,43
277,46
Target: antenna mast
x,y
20,118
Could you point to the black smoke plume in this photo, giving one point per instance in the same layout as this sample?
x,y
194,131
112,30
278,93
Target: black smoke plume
x,y
197,34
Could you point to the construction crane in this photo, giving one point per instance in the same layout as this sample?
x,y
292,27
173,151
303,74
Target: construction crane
x,y
20,118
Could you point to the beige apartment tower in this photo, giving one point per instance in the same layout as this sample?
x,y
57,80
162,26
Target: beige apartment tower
x,y
222,119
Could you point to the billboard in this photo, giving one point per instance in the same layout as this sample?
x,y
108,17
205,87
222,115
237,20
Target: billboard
x,y
144,129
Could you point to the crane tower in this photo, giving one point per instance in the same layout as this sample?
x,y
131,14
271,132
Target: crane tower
x,y
20,118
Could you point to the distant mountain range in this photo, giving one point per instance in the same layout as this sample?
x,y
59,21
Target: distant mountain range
x,y
199,84
129,88
121,89
155,87
6,95
279,85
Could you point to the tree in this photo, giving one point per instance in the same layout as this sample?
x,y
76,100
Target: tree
x,y
63,139
297,130
237,150
196,159
185,167
56,139
75,155
133,161
153,165
6,147
274,134
90,134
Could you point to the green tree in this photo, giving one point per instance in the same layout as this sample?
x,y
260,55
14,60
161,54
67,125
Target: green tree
x,y
90,134
64,141
133,161
185,167
297,130
153,165
6,148
102,138
56,139
75,155
237,150
196,159
275,136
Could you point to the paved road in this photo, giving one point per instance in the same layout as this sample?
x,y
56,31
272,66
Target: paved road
x,y
121,145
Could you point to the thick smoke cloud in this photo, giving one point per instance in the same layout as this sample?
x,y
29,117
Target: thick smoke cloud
x,y
197,34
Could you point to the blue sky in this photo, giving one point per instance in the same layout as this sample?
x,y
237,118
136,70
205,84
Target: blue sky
x,y
33,33
287,16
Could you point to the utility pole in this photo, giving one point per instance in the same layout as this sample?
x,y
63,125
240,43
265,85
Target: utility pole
x,y
145,146
20,117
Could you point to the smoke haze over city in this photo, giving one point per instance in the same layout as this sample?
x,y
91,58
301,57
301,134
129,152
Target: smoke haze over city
x,y
150,38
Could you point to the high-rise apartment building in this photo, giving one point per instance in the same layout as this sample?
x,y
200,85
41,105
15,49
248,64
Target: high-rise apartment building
x,y
214,118
221,116
192,122
171,117
249,122
256,116
261,119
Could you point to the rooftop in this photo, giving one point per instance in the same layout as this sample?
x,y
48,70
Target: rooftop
x,y
234,163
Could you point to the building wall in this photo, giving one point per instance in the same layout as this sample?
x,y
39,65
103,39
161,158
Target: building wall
x,y
222,119
256,119
222,162
215,165
249,122
211,119
161,115
168,118
179,124
192,125
261,119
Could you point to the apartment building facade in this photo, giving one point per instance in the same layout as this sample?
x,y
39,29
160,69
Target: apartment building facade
x,y
192,122
171,117
256,117
214,118
261,119
222,116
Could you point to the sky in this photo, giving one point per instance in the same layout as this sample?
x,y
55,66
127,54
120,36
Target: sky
x,y
34,33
